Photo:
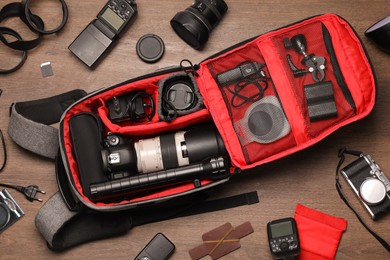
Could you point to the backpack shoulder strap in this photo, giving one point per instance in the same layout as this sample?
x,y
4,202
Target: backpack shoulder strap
x,y
63,228
30,121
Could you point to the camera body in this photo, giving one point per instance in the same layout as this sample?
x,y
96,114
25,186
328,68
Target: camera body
x,y
370,184
10,212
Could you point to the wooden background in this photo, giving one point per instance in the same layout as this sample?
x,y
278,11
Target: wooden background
x,y
306,177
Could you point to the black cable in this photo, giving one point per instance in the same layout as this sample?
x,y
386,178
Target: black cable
x,y
260,84
4,151
29,192
169,108
132,110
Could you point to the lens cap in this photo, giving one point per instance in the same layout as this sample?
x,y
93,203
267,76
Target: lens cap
x,y
150,48
181,96
373,191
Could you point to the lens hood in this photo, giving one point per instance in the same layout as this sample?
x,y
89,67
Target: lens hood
x,y
195,23
190,29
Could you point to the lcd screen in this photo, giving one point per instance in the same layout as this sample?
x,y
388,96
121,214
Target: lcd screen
x,y
112,18
281,229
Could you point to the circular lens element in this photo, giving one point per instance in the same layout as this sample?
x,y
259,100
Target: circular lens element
x,y
195,23
4,215
372,191
260,116
265,121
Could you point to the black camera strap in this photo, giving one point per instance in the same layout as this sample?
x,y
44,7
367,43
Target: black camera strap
x,y
341,155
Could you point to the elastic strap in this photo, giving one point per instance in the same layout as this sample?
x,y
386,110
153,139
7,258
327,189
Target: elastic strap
x,y
16,10
29,124
23,57
341,155
63,228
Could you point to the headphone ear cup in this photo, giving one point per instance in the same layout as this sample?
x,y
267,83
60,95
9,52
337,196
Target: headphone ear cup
x,y
264,122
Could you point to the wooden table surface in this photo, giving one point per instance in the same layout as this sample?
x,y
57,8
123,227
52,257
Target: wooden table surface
x,y
306,177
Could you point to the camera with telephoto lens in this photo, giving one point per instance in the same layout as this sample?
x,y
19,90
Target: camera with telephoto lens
x,y
162,152
195,23
370,184
135,166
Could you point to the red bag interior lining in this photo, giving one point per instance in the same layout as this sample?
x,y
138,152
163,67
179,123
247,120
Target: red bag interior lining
x,y
269,47
96,104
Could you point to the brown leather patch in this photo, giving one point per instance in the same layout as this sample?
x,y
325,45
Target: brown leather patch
x,y
221,241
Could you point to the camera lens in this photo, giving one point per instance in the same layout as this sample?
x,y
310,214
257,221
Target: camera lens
x,y
195,23
162,152
4,216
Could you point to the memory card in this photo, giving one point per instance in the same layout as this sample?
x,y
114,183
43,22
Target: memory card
x,y
159,248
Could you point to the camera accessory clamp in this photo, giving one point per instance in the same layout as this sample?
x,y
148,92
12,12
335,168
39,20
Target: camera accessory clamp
x,y
341,154
315,64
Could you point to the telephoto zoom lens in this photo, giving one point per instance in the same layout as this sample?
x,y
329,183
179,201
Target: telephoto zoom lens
x,y
167,151
195,23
